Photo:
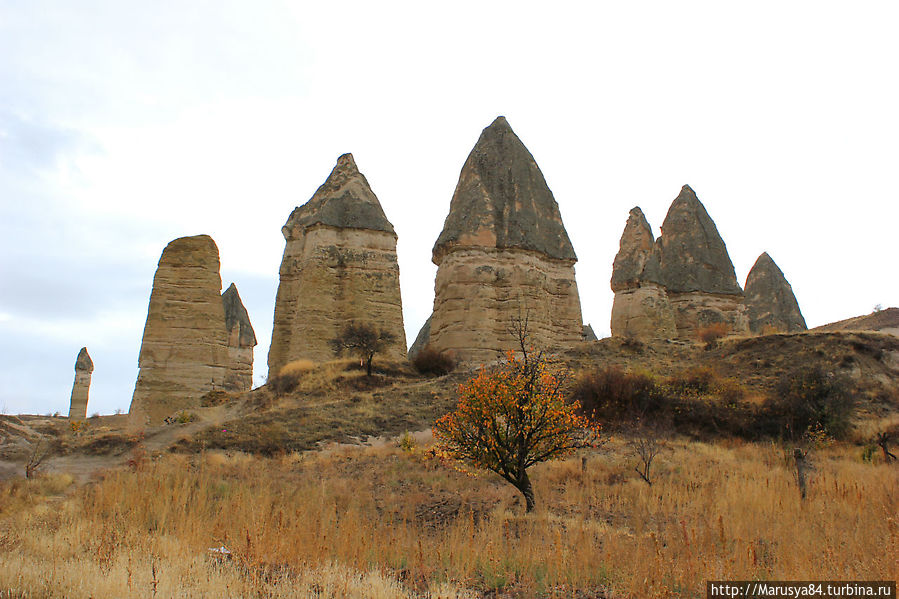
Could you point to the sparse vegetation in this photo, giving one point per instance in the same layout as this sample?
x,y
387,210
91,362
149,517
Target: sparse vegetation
x,y
393,524
393,521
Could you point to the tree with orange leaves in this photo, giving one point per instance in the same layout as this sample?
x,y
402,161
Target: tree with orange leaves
x,y
514,416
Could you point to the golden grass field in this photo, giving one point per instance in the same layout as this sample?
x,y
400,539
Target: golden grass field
x,y
390,522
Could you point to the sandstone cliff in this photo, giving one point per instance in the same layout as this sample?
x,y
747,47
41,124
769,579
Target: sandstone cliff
x,y
679,283
503,252
241,341
184,352
84,366
770,302
339,265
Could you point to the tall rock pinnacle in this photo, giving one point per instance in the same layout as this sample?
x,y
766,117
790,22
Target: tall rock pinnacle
x,y
339,265
503,252
641,308
184,352
241,341
770,301
84,367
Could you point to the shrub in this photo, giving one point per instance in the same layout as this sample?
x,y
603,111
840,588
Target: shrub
x,y
810,397
695,380
184,417
407,442
611,394
431,362
283,384
213,398
710,334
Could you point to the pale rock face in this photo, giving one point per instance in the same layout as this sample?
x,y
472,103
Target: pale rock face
x,y
697,310
84,366
641,308
477,296
503,253
770,301
241,341
339,265
643,313
679,283
184,352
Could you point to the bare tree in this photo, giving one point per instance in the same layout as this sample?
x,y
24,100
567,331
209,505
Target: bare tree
x,y
883,441
646,446
40,451
362,339
803,466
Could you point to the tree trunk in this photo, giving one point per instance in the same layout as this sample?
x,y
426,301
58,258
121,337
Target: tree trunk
x,y
801,470
524,485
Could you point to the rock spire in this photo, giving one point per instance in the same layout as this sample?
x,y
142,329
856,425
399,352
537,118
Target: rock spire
x,y
679,283
339,265
241,341
770,302
84,367
184,352
503,252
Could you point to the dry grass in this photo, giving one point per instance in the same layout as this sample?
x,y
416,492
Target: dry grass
x,y
391,523
297,367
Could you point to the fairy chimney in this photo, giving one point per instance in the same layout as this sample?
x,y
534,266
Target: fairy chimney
x,y
339,266
184,352
503,254
84,366
679,283
241,341
770,302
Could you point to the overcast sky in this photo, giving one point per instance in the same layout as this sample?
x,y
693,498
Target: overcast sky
x,y
124,125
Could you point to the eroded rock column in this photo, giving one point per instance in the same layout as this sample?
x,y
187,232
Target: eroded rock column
x,y
84,367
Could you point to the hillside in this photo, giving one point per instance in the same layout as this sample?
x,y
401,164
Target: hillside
x,y
309,487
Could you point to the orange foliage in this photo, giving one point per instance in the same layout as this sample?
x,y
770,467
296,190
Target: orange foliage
x,y
513,417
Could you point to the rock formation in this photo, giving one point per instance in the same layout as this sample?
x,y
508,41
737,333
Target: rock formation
x,y
339,265
184,352
503,252
696,269
241,341
679,283
422,339
770,302
641,308
84,366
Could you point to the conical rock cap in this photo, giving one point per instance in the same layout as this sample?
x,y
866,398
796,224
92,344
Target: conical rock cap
x,y
502,201
344,200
